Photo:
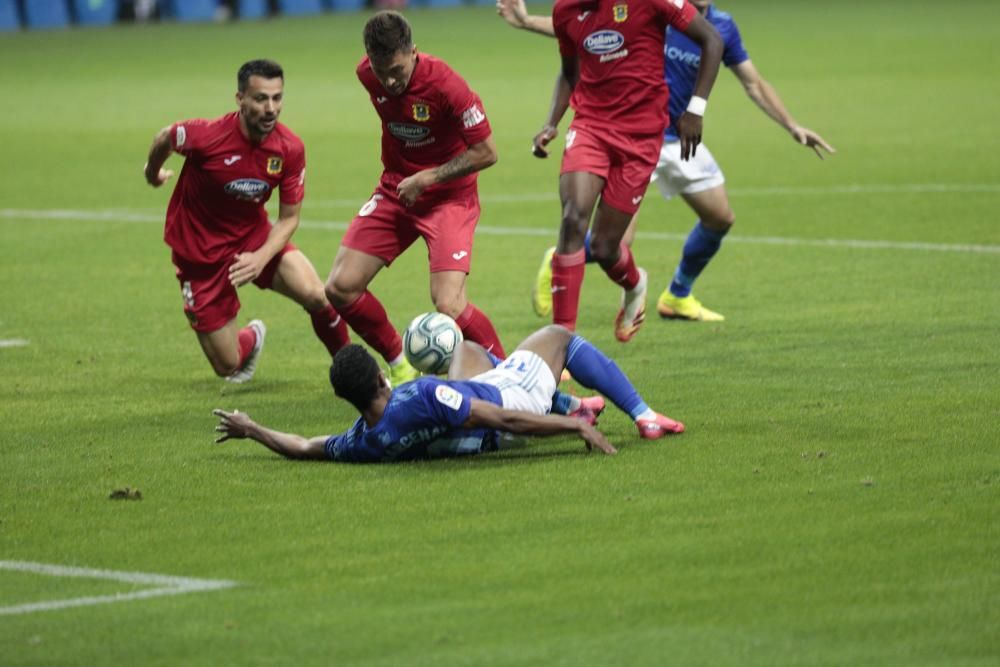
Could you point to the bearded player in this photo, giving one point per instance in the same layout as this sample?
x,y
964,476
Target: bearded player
x,y
217,226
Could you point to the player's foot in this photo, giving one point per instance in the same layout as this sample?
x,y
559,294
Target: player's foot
x,y
654,429
633,310
541,300
249,367
590,409
685,308
402,372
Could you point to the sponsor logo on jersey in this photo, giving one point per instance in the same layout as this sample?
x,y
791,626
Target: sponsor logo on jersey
x,y
459,256
247,188
614,56
690,58
473,116
448,397
230,161
620,13
603,42
274,166
421,112
408,132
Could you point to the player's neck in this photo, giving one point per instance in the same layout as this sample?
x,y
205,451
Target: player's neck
x,y
377,408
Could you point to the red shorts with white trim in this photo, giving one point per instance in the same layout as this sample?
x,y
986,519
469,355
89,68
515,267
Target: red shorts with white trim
x,y
210,300
385,228
624,161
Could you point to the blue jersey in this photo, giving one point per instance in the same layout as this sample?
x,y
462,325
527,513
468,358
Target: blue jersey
x,y
423,419
682,57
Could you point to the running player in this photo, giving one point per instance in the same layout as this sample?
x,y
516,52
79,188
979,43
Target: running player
x,y
699,181
430,418
435,138
612,63
217,226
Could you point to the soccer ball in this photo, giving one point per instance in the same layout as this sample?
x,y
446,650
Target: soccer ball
x,y
429,342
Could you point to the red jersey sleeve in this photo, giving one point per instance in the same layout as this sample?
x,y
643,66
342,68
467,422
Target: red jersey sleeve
x,y
678,13
293,181
467,109
566,46
187,137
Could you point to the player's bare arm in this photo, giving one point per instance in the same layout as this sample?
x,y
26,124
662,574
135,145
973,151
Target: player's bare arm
x,y
479,156
238,425
516,14
689,125
247,266
489,415
158,154
550,129
766,97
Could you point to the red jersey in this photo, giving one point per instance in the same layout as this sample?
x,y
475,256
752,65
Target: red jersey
x,y
435,119
217,209
619,46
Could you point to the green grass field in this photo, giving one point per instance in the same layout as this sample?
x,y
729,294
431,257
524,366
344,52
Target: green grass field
x,y
834,501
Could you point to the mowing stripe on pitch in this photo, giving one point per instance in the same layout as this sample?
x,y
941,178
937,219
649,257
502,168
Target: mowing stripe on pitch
x,y
13,342
160,585
124,216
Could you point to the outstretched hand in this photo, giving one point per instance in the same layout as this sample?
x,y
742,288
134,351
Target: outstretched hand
x,y
595,439
233,424
807,137
513,12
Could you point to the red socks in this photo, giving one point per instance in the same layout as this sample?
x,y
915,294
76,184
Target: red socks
x,y
330,328
368,319
624,272
477,327
567,278
247,337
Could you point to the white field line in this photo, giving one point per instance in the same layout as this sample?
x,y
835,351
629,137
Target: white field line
x,y
775,191
13,342
163,585
144,218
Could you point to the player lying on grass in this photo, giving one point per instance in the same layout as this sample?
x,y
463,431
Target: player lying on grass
x,y
430,417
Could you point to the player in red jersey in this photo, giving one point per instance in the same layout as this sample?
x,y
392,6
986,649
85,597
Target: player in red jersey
x,y
435,138
612,63
217,226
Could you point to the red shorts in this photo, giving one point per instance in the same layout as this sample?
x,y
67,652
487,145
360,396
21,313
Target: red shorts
x,y
624,161
210,300
385,228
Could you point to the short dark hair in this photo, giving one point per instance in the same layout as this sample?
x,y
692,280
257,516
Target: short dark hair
x,y
354,376
265,68
387,33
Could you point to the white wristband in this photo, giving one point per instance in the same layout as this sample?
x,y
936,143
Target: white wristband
x,y
697,105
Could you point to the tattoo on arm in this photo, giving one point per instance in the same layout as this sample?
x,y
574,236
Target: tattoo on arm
x,y
460,165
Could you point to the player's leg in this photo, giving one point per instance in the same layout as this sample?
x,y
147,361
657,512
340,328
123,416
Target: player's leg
x,y
372,242
448,228
448,296
578,191
701,183
211,306
468,360
541,299
296,278
227,348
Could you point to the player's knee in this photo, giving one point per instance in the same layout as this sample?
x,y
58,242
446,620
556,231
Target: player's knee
x,y
604,250
338,293
450,305
315,300
721,222
222,368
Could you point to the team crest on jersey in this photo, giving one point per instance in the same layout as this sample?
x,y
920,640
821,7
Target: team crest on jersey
x,y
421,112
620,13
274,166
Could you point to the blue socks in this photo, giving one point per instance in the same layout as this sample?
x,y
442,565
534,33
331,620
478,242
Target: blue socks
x,y
594,370
701,245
